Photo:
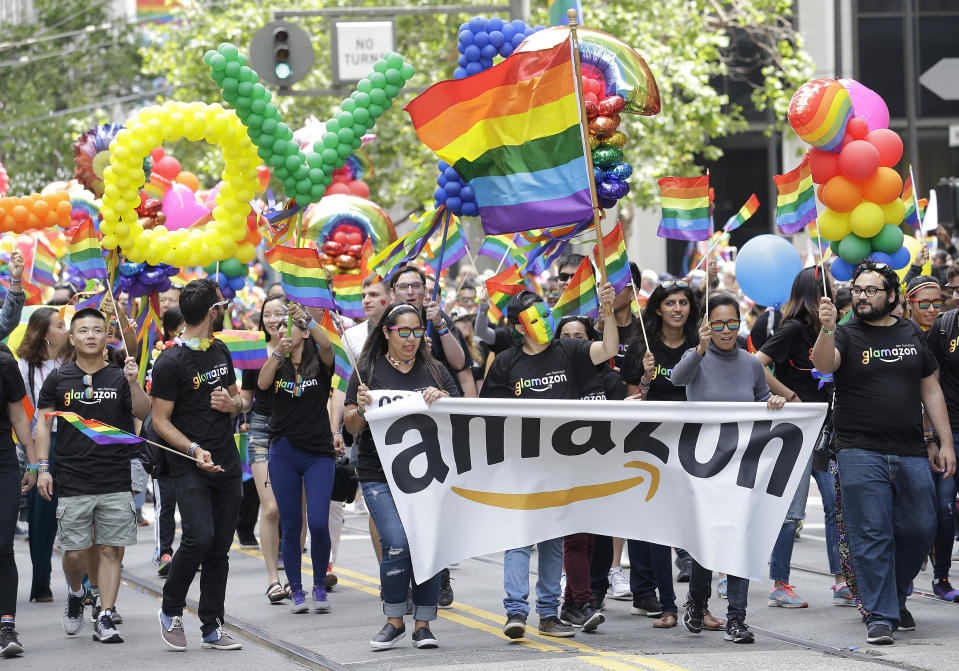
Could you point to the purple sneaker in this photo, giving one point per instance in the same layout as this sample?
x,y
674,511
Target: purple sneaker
x,y
298,601
944,590
320,604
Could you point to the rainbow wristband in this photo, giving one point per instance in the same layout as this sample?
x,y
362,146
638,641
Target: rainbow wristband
x,y
276,355
442,330
32,468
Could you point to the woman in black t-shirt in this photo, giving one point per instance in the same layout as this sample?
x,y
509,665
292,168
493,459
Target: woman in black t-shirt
x,y
298,374
395,358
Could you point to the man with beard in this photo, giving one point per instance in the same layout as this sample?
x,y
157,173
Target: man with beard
x,y
885,374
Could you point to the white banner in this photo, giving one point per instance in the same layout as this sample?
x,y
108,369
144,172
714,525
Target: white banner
x,y
476,476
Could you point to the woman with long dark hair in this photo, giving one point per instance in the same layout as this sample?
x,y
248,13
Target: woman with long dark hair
x,y
394,357
787,351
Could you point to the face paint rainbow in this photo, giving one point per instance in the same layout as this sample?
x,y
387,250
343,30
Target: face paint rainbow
x,y
538,322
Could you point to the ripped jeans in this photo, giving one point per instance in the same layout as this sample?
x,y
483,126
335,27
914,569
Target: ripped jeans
x,y
396,569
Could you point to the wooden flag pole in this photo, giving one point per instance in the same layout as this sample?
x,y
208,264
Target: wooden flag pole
x,y
116,311
581,104
346,346
822,265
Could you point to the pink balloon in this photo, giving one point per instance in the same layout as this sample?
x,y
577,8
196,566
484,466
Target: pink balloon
x,y
867,104
209,197
181,208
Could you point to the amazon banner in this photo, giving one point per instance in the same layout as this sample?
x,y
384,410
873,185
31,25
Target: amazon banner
x,y
475,476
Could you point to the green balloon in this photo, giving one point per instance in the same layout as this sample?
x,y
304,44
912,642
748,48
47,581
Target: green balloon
x,y
247,74
210,269
300,171
232,268
276,160
377,80
345,119
362,117
330,140
257,106
271,112
343,151
377,97
264,153
229,51
229,83
243,103
284,131
260,92
292,162
853,249
315,175
346,135
217,62
394,60
393,76
380,66
254,121
233,69
364,86
607,156
316,192
314,160
218,76
328,169
357,143
332,125
888,239
330,155
348,105
407,71
279,146
361,99
376,110
208,56
391,91
245,89
834,246
229,96
269,125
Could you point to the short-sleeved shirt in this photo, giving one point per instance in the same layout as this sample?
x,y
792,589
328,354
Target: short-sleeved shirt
x,y
606,385
878,400
944,343
385,376
82,466
262,400
11,391
440,355
661,388
562,370
626,334
187,378
791,348
304,419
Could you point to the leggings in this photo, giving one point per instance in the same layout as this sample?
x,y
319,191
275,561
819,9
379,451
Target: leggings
x,y
292,469
9,507
42,518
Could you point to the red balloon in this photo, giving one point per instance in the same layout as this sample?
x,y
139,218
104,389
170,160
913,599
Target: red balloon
x,y
612,105
859,160
359,188
824,165
355,251
592,109
341,237
888,144
167,167
350,228
353,239
857,128
332,247
157,154
337,187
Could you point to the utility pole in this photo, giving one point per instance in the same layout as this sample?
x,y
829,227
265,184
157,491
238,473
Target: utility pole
x,y
519,9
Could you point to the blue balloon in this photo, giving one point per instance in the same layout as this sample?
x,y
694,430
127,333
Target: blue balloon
x,y
506,50
460,47
439,195
881,257
472,53
455,205
441,179
466,36
766,267
473,68
508,32
462,61
487,63
496,38
488,52
452,189
519,25
841,270
460,73
470,209
236,283
442,165
451,175
467,193
494,24
481,39
518,39
901,258
477,23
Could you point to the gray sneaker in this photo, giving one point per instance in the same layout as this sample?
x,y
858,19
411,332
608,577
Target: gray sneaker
x,y
171,630
220,640
105,631
73,615
553,626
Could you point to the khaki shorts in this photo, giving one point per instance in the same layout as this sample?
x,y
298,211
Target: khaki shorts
x,y
111,517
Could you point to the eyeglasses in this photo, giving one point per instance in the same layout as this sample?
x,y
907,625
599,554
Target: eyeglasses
x,y
221,304
925,305
409,286
869,291
406,331
88,383
669,284
565,277
718,325
953,288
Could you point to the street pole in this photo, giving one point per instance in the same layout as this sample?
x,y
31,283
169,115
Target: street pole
x,y
772,165
909,63
519,9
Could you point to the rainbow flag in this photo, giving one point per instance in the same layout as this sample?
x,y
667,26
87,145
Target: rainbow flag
x,y
342,368
348,293
500,288
247,348
909,200
92,301
43,270
745,212
242,441
685,203
302,276
410,245
580,297
365,256
513,132
496,247
618,272
557,12
796,202
85,252
456,246
98,432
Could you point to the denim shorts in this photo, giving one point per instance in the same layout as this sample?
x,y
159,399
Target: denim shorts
x,y
112,517
259,445
138,477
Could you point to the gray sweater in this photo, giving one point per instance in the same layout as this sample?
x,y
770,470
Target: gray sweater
x,y
735,376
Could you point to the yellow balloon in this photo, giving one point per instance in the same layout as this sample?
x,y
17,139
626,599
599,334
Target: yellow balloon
x,y
866,219
245,253
894,212
833,225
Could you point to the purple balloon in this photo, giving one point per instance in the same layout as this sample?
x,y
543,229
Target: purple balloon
x,y
867,104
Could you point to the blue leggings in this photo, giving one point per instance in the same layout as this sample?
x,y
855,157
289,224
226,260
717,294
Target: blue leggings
x,y
291,469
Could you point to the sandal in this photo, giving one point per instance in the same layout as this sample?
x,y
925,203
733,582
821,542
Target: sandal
x,y
275,593
666,621
713,623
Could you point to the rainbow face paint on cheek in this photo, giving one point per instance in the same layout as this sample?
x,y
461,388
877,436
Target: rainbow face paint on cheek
x,y
538,322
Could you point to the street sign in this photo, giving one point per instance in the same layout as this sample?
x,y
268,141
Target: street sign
x,y
281,53
943,79
954,135
357,45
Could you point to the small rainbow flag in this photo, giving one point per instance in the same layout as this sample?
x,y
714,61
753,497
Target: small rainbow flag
x,y
796,202
496,247
302,276
501,288
456,246
580,297
92,301
348,293
44,268
618,272
85,252
410,245
342,368
242,441
685,203
365,257
909,200
98,432
745,212
247,348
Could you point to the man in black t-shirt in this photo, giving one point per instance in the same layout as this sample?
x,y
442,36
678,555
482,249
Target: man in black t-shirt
x,y
885,375
95,508
194,402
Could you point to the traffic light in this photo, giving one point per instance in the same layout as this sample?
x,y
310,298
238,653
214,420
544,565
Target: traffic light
x,y
281,53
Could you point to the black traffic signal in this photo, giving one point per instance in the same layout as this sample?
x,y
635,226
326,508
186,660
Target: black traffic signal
x,y
281,53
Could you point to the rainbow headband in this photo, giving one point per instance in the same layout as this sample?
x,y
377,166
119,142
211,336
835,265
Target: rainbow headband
x,y
924,285
538,322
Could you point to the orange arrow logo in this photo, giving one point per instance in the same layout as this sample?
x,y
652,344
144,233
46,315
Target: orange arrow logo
x,y
562,497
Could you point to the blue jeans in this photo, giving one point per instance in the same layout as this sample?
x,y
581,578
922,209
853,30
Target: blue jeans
x,y
889,510
396,569
827,491
945,523
549,555
646,558
737,590
782,553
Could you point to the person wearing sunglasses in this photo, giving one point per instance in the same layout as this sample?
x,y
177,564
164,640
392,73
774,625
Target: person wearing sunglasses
x,y
395,357
886,375
195,400
924,301
717,370
566,268
93,484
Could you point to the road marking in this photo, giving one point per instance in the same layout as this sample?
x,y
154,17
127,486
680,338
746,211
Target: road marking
x,y
606,663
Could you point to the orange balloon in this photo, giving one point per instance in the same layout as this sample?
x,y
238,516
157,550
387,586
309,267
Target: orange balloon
x,y
20,213
253,237
52,199
841,194
883,187
188,179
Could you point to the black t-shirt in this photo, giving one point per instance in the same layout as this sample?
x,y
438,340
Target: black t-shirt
x,y
262,400
765,325
626,334
944,343
303,420
661,387
562,370
11,391
188,377
605,385
385,376
878,402
82,466
440,355
791,348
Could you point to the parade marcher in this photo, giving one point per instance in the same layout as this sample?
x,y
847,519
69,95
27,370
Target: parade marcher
x,y
395,357
565,269
923,301
478,351
194,402
717,370
569,365
93,482
885,376
298,373
13,301
164,493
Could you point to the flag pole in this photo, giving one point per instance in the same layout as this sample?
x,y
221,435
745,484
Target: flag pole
x,y
447,215
915,201
822,266
116,311
581,105
335,318
505,254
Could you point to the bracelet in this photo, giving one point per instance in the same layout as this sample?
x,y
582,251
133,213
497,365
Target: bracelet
x,y
43,469
193,448
644,384
360,412
32,468
276,355
794,396
827,331
338,433
43,462
238,403
442,329
310,325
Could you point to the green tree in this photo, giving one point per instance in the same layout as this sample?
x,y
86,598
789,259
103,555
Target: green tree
x,y
40,77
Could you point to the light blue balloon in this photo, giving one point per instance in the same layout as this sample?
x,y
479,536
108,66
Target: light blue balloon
x,y
765,269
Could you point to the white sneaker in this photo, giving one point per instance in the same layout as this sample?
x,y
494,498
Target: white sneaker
x,y
618,585
562,585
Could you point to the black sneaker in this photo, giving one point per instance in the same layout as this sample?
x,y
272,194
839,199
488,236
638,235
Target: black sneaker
x,y
693,615
593,618
879,634
738,632
685,567
247,540
105,631
387,636
599,601
10,645
906,621
553,626
515,626
423,638
647,605
446,590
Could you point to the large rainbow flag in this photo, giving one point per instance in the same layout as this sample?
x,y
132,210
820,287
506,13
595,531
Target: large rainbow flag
x,y
580,297
796,202
557,12
247,348
85,252
513,132
913,205
302,276
98,432
685,203
618,272
342,369
408,247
